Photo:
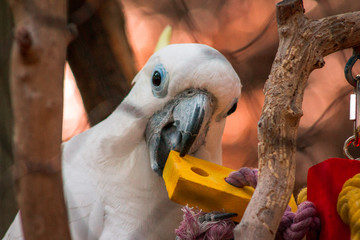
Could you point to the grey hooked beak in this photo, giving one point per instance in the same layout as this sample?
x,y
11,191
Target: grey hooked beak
x,y
181,126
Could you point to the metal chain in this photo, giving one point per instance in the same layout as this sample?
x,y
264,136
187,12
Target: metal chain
x,y
354,102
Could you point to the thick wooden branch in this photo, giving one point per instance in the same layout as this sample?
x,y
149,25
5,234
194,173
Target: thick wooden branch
x,y
303,44
37,70
100,57
8,206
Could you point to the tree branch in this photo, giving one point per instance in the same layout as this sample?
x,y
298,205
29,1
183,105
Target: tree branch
x,y
303,44
100,57
36,74
8,206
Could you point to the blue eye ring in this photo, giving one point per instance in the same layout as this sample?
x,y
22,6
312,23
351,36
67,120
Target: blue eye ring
x,y
159,81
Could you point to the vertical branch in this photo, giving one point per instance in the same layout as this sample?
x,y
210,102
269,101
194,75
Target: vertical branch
x,y
100,57
8,206
303,44
36,74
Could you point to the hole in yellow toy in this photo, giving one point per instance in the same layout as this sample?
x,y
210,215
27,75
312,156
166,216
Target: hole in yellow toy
x,y
199,171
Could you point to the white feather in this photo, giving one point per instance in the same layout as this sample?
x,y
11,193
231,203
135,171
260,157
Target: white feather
x,y
111,191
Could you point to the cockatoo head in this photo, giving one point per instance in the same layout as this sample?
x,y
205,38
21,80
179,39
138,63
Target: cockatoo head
x,y
186,92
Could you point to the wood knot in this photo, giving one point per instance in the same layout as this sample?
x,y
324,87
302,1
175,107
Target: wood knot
x,y
319,63
294,114
25,43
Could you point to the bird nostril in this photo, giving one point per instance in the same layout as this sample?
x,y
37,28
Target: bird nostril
x,y
190,92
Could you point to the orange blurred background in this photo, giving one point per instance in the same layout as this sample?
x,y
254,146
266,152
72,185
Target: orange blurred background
x,y
246,33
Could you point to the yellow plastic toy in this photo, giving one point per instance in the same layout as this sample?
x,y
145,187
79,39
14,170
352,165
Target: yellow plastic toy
x,y
199,183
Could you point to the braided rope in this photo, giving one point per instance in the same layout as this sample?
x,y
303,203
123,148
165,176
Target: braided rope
x,y
348,205
294,226
244,177
193,228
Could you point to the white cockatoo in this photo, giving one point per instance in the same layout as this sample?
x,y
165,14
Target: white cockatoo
x,y
112,172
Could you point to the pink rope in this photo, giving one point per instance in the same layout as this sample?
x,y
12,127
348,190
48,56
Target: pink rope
x,y
304,222
293,226
244,177
285,223
192,228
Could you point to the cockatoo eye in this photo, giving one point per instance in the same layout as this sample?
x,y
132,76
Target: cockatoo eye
x,y
156,79
159,81
232,109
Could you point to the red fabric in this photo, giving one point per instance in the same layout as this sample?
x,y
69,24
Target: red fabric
x,y
324,183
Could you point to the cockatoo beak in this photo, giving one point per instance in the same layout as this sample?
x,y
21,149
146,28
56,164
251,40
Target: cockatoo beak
x,y
181,126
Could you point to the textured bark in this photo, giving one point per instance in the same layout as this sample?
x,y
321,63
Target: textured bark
x,y
303,44
37,66
8,206
100,57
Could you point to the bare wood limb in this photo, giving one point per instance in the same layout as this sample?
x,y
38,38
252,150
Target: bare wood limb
x,y
100,57
37,67
8,207
303,44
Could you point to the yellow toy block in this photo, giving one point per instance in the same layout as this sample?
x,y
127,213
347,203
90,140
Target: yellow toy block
x,y
201,184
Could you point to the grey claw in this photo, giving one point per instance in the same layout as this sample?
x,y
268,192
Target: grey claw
x,y
211,217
